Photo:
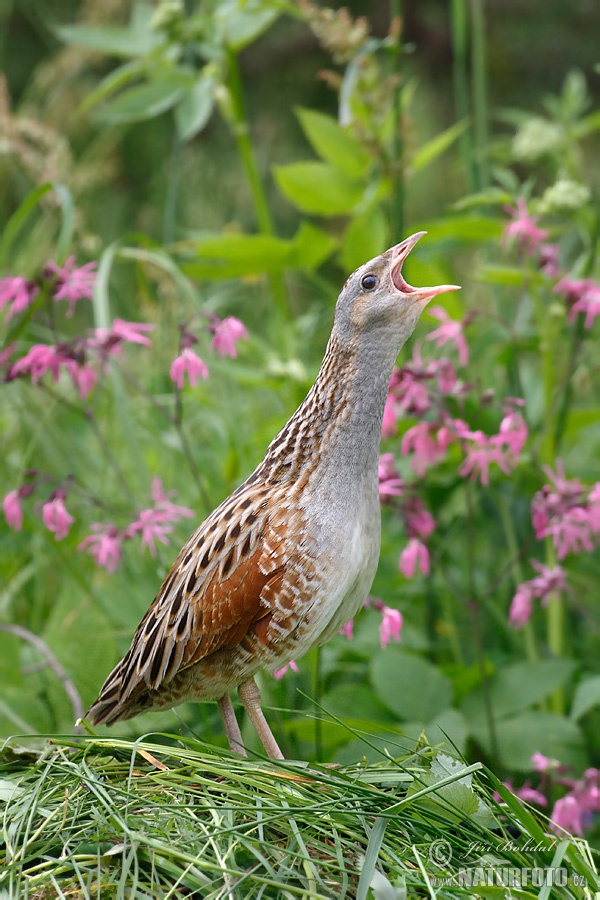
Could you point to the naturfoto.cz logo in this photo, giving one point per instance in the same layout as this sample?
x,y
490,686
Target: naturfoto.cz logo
x,y
510,876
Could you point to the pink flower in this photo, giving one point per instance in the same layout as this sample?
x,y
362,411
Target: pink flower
x,y
73,282
571,533
549,581
153,527
593,508
479,456
154,524
450,331
41,358
56,518
163,504
420,441
530,795
415,555
572,289
567,814
391,625
109,340
549,259
523,227
84,379
348,630
390,483
227,333
281,672
452,430
513,433
104,546
189,362
521,606
389,424
543,763
12,510
419,522
588,303
550,505
17,293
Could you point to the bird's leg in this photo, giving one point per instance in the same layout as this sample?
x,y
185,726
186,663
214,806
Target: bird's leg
x,y
232,729
250,697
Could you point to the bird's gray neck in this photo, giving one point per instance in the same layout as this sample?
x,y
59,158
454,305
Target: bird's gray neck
x,y
340,419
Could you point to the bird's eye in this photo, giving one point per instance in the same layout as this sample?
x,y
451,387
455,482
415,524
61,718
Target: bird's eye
x,y
369,282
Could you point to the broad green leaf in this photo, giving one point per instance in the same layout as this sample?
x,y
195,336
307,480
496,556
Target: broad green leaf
x,y
318,188
462,228
145,101
242,21
195,107
365,237
394,675
448,728
581,418
18,219
555,736
508,275
587,696
491,197
430,151
334,144
113,82
258,250
587,125
310,247
234,255
126,42
519,686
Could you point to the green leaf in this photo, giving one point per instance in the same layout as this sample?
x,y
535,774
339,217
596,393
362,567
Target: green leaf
x,y
126,42
334,144
587,125
242,21
234,255
587,696
462,228
490,197
450,729
18,220
144,101
113,82
394,675
365,237
508,275
195,107
555,736
519,686
430,151
319,188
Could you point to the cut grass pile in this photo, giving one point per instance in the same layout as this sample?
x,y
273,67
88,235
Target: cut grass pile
x,y
167,817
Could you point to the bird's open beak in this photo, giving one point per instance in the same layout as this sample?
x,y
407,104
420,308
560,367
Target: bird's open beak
x,y
399,254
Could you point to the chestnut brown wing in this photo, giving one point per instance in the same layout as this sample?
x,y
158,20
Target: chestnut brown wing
x,y
227,579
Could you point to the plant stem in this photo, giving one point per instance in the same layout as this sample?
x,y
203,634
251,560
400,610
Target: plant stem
x,y
241,132
318,693
398,195
577,342
479,88
475,612
513,547
461,86
172,195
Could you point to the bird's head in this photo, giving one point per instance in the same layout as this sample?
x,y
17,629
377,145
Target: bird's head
x,y
376,303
